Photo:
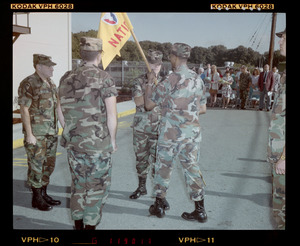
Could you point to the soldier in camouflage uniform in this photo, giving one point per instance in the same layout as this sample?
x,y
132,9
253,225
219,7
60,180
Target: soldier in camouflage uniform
x,y
276,146
244,86
145,126
88,103
181,97
38,106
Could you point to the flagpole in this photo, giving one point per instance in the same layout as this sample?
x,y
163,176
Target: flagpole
x,y
142,53
130,27
271,49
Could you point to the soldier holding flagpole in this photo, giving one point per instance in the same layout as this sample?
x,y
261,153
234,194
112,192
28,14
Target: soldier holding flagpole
x,y
145,127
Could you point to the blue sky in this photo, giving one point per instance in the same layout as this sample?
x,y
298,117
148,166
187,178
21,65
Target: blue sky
x,y
196,29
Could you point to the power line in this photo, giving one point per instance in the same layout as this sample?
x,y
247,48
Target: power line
x,y
256,28
258,34
263,34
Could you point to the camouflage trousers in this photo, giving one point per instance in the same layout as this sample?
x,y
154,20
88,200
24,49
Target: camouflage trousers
x,y
41,160
275,148
244,97
278,195
144,146
91,180
188,154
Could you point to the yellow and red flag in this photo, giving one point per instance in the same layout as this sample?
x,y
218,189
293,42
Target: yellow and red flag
x,y
114,30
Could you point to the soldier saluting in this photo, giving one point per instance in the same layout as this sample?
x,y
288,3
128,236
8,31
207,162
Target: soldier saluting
x,y
38,106
181,97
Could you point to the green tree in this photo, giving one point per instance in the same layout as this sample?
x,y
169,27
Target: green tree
x,y
277,58
76,41
216,54
129,52
198,55
219,54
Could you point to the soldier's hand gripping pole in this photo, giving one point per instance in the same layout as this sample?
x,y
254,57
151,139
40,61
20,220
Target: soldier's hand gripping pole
x,y
137,43
142,53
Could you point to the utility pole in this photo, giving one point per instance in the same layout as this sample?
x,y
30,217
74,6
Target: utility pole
x,y
271,49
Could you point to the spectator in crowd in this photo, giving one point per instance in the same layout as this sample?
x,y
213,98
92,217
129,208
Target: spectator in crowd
x,y
254,87
220,73
237,77
231,71
238,73
276,79
214,85
207,76
265,85
207,72
201,73
277,83
226,89
234,86
224,74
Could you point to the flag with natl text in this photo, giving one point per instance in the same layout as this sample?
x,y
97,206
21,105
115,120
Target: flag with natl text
x,y
114,30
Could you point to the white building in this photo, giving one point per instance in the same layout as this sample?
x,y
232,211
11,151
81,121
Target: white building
x,y
50,34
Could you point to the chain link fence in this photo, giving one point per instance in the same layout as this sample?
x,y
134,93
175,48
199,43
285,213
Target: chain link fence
x,y
124,72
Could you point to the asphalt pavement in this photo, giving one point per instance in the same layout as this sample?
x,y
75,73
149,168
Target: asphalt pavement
x,y
233,163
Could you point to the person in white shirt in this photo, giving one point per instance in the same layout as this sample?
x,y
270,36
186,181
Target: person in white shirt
x,y
207,72
214,85
226,89
276,79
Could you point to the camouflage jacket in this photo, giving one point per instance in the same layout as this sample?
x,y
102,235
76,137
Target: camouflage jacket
x,y
245,79
277,124
82,93
179,96
41,100
145,121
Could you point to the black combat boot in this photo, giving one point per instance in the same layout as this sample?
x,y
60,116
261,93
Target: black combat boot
x,y
157,208
49,199
78,224
166,205
198,214
38,200
141,190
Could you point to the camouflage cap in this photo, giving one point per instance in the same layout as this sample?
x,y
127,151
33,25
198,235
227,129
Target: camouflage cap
x,y
90,44
181,50
154,56
43,59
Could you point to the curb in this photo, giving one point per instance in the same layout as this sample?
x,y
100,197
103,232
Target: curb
x,y
127,112
19,142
